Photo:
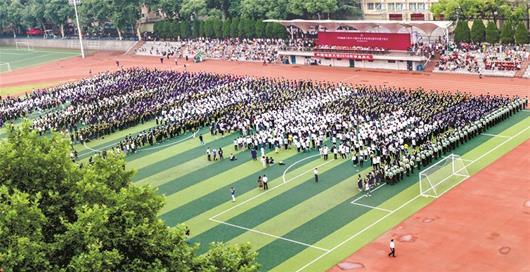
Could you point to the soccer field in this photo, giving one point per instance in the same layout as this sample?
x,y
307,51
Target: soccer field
x,y
19,58
297,225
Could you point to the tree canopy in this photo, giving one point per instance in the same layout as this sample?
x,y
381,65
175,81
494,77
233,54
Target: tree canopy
x,y
61,216
16,15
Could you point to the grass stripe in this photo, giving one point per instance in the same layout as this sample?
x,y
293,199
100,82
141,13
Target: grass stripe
x,y
194,171
174,155
303,212
226,209
278,204
214,190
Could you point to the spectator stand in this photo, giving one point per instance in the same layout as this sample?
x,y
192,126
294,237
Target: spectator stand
x,y
395,45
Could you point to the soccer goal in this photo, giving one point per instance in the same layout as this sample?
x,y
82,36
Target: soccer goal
x,y
23,46
443,176
5,67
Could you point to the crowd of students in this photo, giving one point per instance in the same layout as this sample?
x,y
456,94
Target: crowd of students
x,y
392,129
477,58
259,50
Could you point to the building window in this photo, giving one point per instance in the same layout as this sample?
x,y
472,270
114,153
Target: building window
x,y
370,6
391,6
412,6
399,6
421,6
379,6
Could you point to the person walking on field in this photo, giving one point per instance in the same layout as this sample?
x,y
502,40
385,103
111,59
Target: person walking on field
x,y
265,181
392,249
315,172
233,193
201,139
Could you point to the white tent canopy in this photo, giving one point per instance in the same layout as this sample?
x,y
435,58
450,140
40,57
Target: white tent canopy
x,y
428,27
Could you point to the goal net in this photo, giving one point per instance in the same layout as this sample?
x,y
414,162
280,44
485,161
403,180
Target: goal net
x,y
442,176
23,46
5,67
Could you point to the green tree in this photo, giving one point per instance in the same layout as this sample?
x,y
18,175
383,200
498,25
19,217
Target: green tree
x,y
218,28
193,9
58,216
58,12
170,7
202,29
260,29
174,29
241,28
462,32
196,30
11,15
226,28
234,28
507,35
492,33
185,29
478,31
521,34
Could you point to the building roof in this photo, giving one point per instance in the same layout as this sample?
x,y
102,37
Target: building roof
x,y
364,25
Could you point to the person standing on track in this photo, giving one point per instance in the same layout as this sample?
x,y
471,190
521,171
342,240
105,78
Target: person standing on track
x,y
392,248
315,172
201,139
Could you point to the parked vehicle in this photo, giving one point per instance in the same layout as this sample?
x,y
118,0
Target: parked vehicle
x,y
34,32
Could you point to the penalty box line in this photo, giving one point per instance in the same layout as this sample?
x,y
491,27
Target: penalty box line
x,y
268,234
354,202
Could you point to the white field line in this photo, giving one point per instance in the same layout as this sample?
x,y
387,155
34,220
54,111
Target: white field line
x,y
295,163
272,188
268,234
403,205
29,58
359,198
357,234
372,207
495,135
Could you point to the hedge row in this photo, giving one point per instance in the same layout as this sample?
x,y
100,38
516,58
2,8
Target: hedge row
x,y
215,28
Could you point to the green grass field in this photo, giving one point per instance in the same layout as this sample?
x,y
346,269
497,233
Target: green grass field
x,y
19,58
297,225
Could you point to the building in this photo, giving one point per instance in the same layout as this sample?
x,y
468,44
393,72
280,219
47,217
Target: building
x,y
398,10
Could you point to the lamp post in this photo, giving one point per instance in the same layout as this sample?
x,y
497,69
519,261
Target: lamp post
x,y
75,3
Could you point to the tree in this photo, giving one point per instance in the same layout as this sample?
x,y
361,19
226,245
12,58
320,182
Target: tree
x,y
58,216
11,15
478,31
58,12
241,28
507,35
492,33
260,29
521,34
185,29
193,9
234,28
171,8
218,28
174,29
462,32
226,28
196,29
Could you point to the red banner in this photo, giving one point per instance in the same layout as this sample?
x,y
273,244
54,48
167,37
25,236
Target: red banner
x,y
343,56
390,41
